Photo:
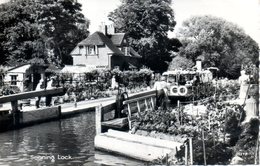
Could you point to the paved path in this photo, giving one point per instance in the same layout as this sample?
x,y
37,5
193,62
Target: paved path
x,y
68,107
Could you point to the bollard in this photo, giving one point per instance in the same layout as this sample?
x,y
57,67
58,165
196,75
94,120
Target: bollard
x,y
59,112
98,112
16,113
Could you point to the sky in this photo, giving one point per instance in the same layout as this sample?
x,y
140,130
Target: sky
x,y
244,13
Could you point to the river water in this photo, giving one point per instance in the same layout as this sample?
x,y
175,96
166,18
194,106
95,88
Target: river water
x,y
66,142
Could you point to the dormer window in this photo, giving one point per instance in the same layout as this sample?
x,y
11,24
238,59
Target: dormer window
x,y
92,50
80,49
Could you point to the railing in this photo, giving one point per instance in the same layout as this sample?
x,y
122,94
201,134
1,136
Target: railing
x,y
134,104
139,102
18,118
25,95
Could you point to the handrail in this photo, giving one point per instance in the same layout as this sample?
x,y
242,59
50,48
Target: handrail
x,y
137,99
30,94
142,94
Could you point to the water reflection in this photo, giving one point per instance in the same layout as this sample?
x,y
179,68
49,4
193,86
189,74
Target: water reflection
x,y
66,142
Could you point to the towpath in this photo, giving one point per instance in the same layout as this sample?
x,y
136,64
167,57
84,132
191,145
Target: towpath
x,y
69,107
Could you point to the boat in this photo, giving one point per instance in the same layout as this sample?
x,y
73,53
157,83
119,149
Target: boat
x,y
189,84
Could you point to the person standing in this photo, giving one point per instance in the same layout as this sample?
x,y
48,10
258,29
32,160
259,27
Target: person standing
x,y
161,87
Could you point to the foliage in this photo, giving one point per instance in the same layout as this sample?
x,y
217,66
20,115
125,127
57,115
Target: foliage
x,y
43,30
181,62
97,83
216,152
220,43
132,79
246,144
8,90
147,23
221,123
227,89
62,26
253,71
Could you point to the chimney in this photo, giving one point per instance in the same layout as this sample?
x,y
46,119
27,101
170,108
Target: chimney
x,y
198,64
103,28
110,29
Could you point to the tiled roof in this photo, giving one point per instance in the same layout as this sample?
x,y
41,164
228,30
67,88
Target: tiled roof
x,y
98,38
117,38
93,39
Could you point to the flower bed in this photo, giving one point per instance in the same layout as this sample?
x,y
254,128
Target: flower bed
x,y
220,122
97,84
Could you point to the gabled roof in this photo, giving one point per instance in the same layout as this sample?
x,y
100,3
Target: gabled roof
x,y
117,38
94,39
19,69
99,39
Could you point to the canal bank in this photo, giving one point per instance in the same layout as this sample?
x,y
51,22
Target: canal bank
x,y
29,115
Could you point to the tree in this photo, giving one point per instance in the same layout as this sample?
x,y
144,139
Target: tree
x,y
40,30
221,43
62,25
147,23
18,32
181,62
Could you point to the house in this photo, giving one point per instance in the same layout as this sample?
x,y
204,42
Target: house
x,y
106,49
25,77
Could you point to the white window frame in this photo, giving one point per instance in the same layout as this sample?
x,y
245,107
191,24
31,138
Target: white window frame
x,y
13,79
92,50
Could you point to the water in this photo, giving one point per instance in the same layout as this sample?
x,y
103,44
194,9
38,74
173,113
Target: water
x,y
65,142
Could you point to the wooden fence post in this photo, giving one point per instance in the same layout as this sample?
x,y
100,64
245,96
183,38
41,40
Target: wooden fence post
x,y
191,151
204,149
156,98
146,105
152,103
178,109
98,111
209,119
257,150
167,160
225,126
138,106
186,154
129,116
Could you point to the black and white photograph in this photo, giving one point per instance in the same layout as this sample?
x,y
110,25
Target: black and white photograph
x,y
129,82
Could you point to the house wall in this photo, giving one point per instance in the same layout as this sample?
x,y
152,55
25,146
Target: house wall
x,y
34,73
100,61
20,79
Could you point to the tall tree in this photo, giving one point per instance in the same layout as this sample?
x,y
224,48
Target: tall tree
x,y
40,30
147,23
220,43
62,26
19,36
